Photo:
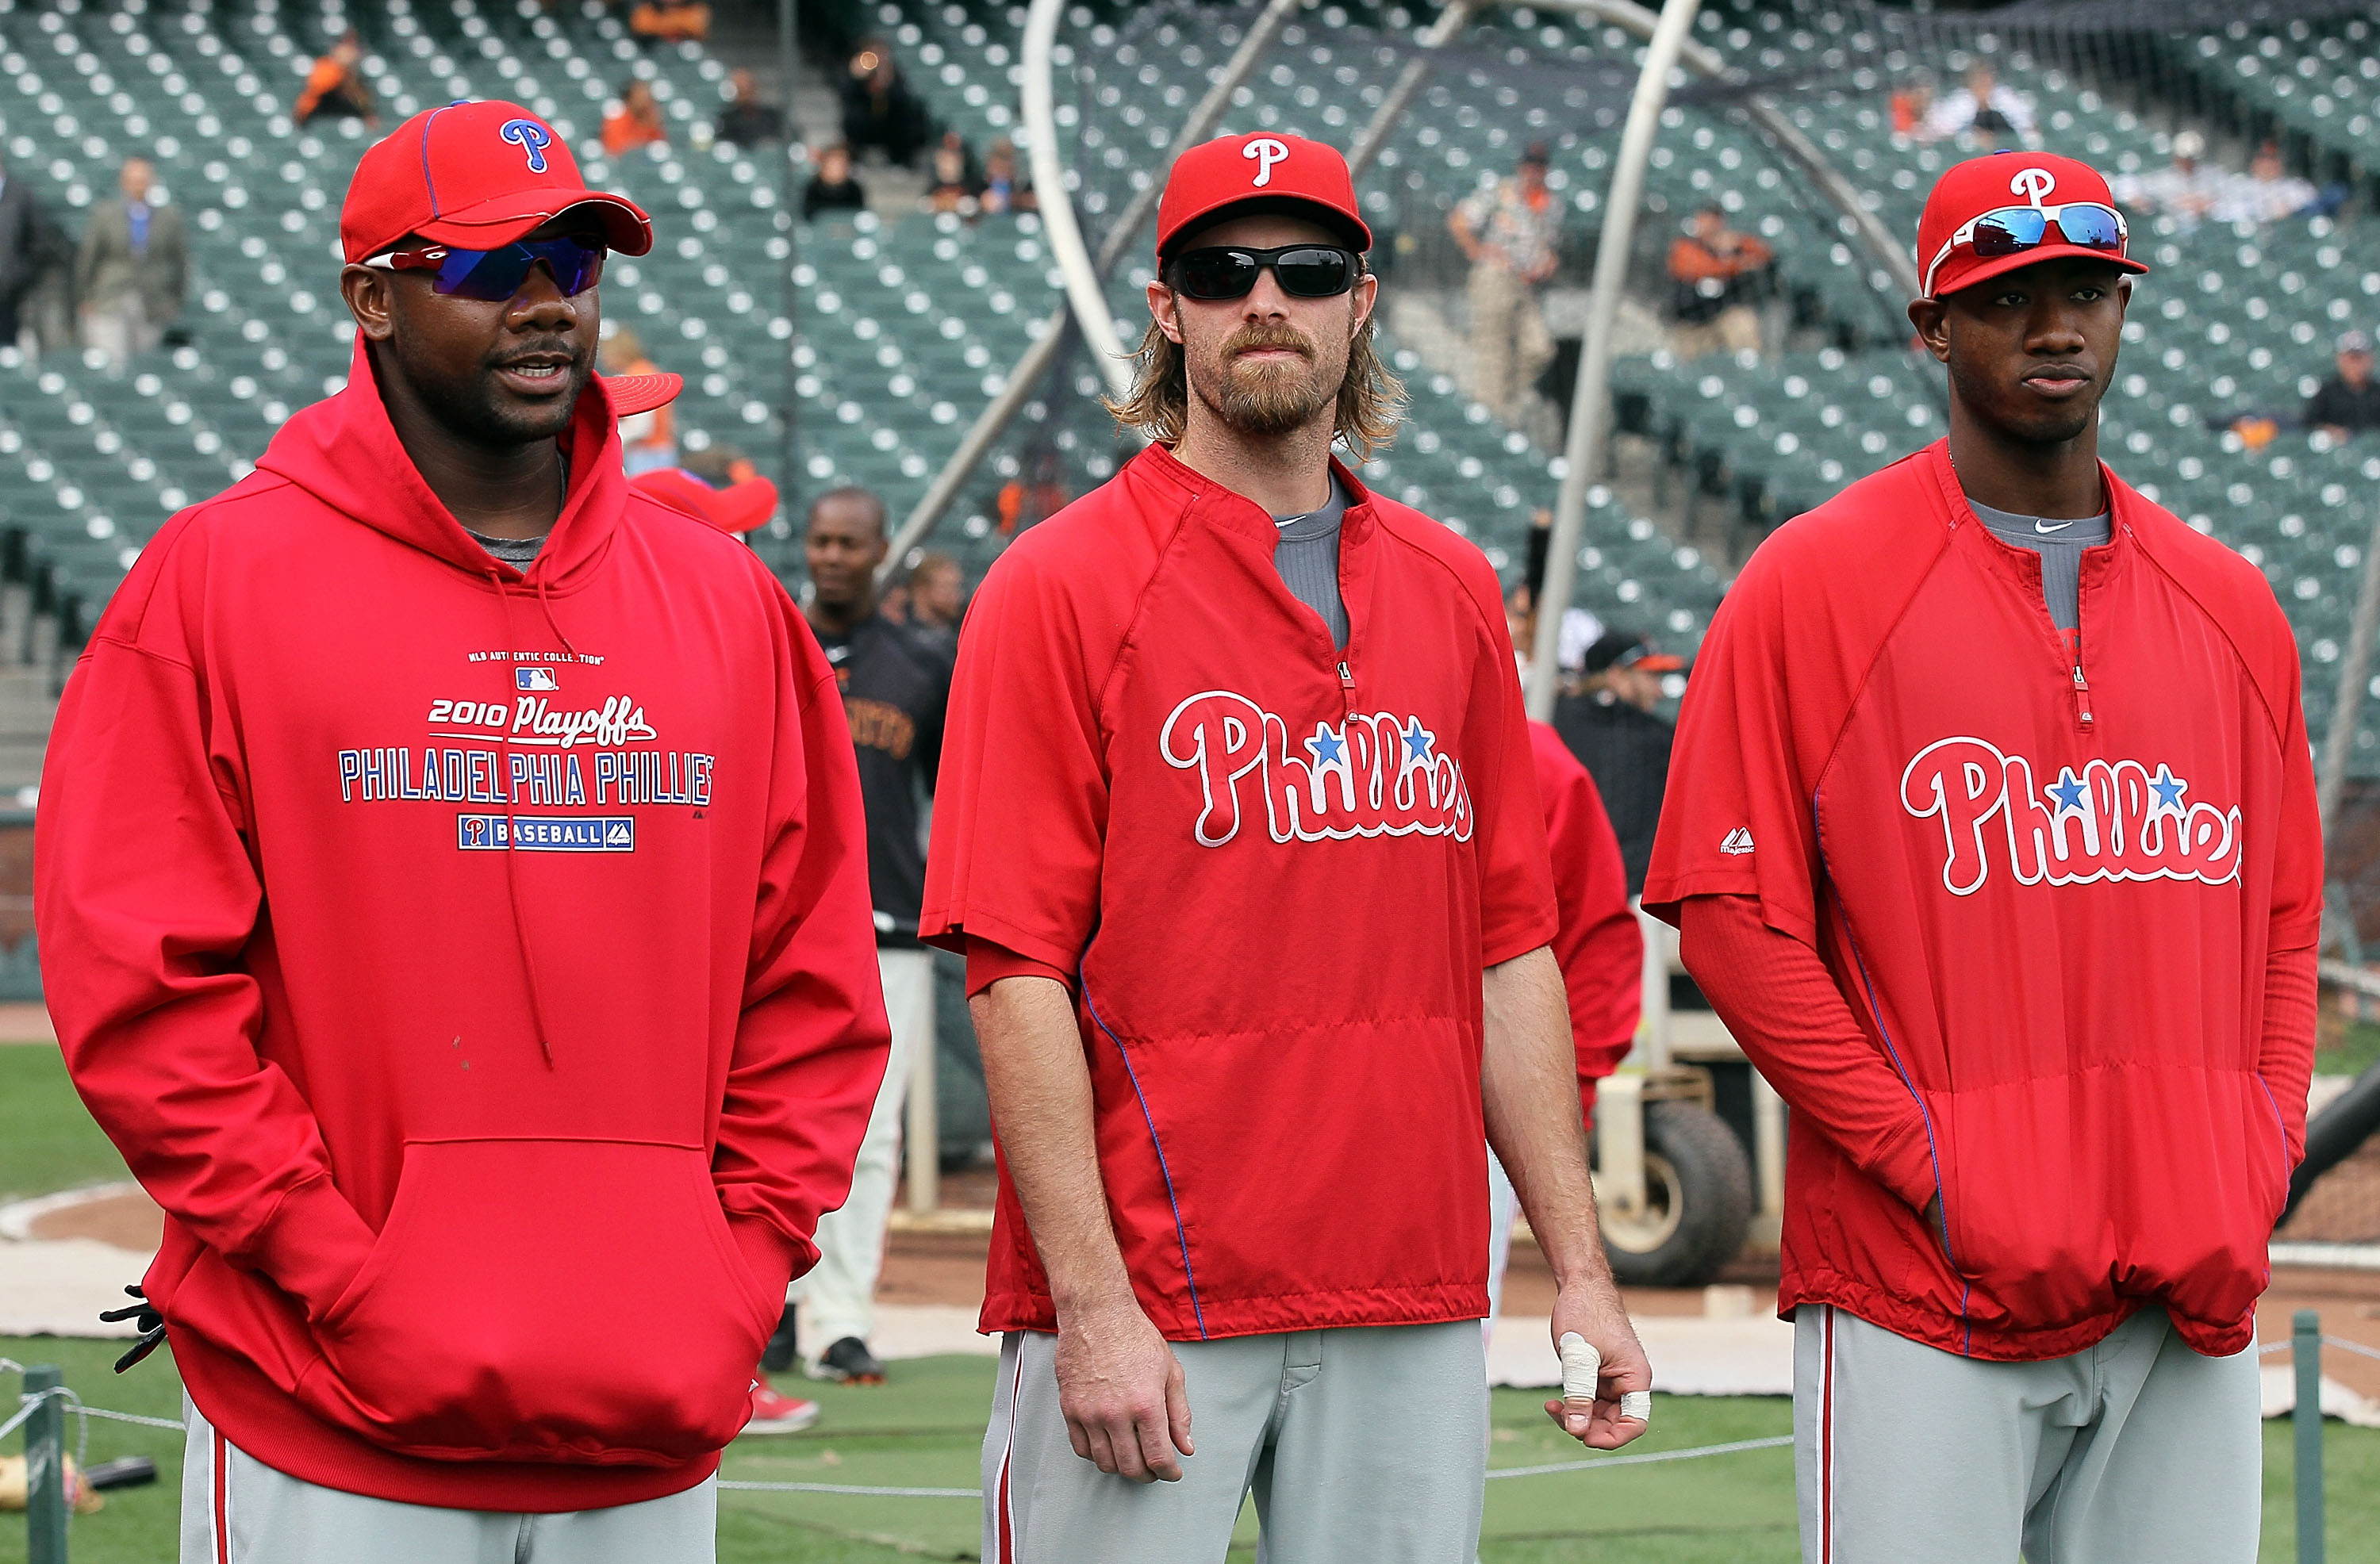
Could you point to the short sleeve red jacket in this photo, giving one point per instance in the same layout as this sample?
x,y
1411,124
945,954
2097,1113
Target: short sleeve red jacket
x,y
2047,892
1279,870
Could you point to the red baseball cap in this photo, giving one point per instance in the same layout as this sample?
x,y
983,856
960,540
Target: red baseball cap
x,y
1238,174
739,507
632,394
477,176
1968,189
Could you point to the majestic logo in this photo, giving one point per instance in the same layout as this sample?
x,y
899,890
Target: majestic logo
x,y
2032,184
530,138
1375,774
534,679
1738,841
532,720
1267,152
546,833
2112,820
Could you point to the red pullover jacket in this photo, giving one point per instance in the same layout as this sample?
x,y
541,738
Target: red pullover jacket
x,y
1279,870
1598,947
476,967
2049,893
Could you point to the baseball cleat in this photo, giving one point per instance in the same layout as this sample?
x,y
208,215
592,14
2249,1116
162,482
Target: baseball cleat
x,y
848,1362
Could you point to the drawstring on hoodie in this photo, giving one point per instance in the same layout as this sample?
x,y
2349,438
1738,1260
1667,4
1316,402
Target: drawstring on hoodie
x,y
547,604
512,834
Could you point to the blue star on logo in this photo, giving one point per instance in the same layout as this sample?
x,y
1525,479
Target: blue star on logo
x,y
2169,789
1418,744
2067,791
1328,746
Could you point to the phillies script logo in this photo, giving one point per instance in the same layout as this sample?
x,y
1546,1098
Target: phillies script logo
x,y
2112,820
1372,775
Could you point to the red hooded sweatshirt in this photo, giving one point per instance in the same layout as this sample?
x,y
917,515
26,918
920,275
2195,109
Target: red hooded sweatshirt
x,y
476,966
2053,894
1277,869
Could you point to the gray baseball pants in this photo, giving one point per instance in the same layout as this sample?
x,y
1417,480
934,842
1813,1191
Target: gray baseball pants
x,y
258,1515
2135,1451
1361,1446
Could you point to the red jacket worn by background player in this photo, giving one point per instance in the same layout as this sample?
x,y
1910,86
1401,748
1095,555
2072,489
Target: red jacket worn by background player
x,y
476,967
2049,894
1277,870
1599,948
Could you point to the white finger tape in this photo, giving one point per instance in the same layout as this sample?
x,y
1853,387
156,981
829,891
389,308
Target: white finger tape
x,y
1637,1404
1581,1363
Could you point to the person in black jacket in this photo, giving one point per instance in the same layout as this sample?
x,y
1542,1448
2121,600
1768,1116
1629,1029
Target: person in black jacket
x,y
25,249
834,188
896,687
1612,729
2350,400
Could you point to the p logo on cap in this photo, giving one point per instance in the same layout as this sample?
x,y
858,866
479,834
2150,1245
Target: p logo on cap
x,y
531,138
2032,184
1267,152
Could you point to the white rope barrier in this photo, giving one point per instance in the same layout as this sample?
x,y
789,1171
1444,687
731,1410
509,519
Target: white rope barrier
x,y
858,1490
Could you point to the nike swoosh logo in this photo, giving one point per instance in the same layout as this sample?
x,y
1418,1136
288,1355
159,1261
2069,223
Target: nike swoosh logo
x,y
2044,527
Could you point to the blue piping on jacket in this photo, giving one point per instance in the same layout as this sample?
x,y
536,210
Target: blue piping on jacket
x,y
1933,1155
1180,1235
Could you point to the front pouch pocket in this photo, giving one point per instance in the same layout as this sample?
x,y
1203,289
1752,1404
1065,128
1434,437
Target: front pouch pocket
x,y
574,1301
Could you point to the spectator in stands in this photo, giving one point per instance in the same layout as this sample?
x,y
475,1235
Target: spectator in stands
x,y
1912,102
1005,186
953,188
24,251
637,122
1512,233
2268,193
648,440
832,188
134,267
2349,401
746,121
937,601
895,688
1984,110
1023,503
335,90
671,21
1612,729
879,110
1714,275
2185,190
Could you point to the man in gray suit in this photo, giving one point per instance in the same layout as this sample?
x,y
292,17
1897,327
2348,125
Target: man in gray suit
x,y
133,267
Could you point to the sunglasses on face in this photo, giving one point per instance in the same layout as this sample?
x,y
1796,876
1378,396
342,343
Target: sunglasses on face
x,y
2011,230
495,276
1226,272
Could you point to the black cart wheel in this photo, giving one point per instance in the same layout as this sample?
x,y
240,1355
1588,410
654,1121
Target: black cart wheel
x,y
1697,1202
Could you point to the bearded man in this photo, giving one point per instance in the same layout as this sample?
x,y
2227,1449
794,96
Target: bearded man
x,y
1235,826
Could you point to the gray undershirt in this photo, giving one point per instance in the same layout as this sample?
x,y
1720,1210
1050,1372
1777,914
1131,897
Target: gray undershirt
x,y
521,553
2061,546
518,552
1308,558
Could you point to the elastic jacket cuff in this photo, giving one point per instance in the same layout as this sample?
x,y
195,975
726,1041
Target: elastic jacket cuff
x,y
772,1257
313,1244
1904,1164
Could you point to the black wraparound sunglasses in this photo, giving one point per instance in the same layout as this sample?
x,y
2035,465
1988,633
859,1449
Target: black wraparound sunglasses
x,y
1224,272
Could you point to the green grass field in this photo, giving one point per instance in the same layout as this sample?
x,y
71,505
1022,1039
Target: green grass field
x,y
925,1429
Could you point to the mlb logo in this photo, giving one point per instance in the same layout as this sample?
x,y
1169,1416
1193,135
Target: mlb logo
x,y
534,679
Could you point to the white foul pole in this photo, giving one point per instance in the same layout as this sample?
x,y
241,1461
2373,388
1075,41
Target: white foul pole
x,y
1058,208
1589,419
